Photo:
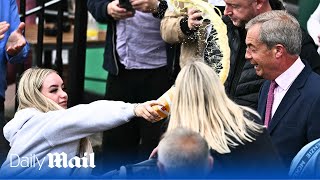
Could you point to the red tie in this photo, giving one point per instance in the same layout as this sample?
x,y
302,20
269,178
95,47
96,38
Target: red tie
x,y
269,103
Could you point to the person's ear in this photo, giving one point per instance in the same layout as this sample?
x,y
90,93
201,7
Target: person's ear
x,y
260,3
279,50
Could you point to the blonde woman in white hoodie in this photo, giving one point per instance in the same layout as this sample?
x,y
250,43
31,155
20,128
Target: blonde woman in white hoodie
x,y
49,140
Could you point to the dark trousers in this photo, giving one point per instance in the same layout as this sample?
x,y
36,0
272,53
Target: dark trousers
x,y
133,141
4,145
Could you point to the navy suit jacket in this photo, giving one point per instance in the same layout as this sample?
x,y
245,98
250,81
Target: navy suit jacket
x,y
296,122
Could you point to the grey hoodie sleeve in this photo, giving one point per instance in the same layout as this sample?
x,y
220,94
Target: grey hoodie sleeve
x,y
80,121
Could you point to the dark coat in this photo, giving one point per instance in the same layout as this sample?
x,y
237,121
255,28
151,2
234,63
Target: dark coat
x,y
250,160
296,121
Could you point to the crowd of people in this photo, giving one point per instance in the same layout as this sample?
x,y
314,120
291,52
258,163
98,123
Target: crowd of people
x,y
262,122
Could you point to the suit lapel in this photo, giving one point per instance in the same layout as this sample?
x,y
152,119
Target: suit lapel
x,y
287,101
290,98
263,100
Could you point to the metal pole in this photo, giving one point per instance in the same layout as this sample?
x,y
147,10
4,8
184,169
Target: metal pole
x,y
40,34
20,67
77,62
58,61
23,10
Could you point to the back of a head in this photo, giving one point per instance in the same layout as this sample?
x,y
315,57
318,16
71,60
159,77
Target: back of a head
x,y
279,27
198,91
29,90
201,104
184,153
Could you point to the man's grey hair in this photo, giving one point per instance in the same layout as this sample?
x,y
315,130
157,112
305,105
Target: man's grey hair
x,y
279,27
183,152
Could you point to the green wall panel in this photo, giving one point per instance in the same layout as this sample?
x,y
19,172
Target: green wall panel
x,y
94,61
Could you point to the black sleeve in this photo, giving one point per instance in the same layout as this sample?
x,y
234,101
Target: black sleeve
x,y
98,9
163,6
185,28
309,52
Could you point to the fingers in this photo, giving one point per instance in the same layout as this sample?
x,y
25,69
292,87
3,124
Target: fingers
x,y
146,111
14,47
149,113
194,18
145,5
3,22
20,28
4,27
12,51
117,12
153,103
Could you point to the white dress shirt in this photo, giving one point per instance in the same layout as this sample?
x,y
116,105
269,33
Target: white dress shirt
x,y
284,82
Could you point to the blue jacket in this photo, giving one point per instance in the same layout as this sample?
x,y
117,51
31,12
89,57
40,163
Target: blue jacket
x,y
306,163
9,13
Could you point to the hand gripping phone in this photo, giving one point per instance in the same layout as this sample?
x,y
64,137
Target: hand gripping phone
x,y
126,4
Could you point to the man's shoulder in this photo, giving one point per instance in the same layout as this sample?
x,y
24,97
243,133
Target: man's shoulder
x,y
313,80
308,76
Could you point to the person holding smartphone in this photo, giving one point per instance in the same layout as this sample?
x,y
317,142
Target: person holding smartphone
x,y
139,65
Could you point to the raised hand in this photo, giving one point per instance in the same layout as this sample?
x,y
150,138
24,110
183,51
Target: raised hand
x,y
117,12
193,18
16,41
145,5
4,26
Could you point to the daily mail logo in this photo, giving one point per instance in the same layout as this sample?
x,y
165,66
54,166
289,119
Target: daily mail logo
x,y
56,160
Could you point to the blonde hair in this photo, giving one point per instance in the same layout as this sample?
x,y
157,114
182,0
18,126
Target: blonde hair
x,y
201,104
30,96
29,91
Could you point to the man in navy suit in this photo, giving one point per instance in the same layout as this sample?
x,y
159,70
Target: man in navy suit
x,y
289,101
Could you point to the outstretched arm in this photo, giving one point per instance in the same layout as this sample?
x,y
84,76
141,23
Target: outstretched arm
x,y
83,120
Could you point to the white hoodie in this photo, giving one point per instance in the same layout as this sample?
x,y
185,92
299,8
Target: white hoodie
x,y
33,135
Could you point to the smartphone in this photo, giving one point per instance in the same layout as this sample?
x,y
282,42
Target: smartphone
x,y
126,4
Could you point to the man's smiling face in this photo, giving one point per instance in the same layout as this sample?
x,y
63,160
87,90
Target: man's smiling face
x,y
259,54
